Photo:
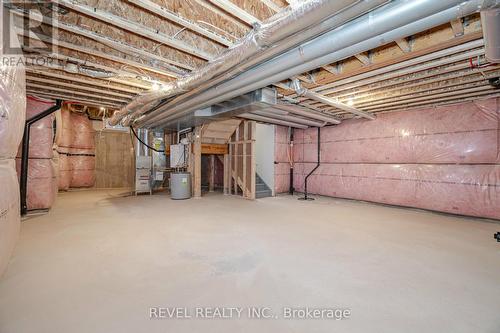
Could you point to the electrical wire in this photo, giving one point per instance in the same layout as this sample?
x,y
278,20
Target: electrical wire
x,y
137,137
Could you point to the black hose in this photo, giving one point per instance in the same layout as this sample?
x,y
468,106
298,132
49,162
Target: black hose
x,y
315,168
23,183
137,137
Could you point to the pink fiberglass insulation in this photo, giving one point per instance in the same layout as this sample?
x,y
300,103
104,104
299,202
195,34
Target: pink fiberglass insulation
x,y
83,133
82,163
76,148
9,212
41,132
55,170
12,109
65,170
41,176
64,129
41,179
444,159
282,160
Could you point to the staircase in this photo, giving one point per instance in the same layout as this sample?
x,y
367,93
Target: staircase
x,y
261,189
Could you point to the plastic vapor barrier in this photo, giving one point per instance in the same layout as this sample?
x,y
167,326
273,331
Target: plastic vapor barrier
x,y
445,159
9,212
76,150
12,118
41,132
41,180
281,160
41,176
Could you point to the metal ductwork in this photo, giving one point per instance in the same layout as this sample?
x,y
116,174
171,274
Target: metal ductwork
x,y
261,105
394,21
490,21
301,91
290,27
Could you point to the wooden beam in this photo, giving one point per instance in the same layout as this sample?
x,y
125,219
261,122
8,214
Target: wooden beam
x,y
221,13
99,54
174,17
116,73
104,91
211,177
236,157
364,58
105,40
244,156
208,149
197,162
227,175
69,97
82,79
230,170
404,45
458,27
232,9
272,5
336,69
253,167
81,93
214,148
135,28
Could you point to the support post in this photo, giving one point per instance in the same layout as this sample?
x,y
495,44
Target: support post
x,y
227,175
244,156
211,178
197,162
253,168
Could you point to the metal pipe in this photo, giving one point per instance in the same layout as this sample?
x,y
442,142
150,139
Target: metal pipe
x,y
298,120
490,20
272,120
301,91
23,184
303,36
396,20
307,113
318,163
291,21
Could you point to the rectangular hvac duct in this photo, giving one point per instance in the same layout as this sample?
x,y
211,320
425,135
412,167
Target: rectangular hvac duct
x,y
257,105
260,99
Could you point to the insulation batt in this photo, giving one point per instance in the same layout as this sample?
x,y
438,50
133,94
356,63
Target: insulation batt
x,y
41,132
281,158
76,148
82,165
65,171
41,182
41,176
9,212
445,159
12,118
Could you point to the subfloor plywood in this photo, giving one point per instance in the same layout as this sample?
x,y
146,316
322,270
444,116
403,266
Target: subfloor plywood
x,y
98,261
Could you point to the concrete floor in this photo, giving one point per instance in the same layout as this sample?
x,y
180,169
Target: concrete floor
x,y
97,263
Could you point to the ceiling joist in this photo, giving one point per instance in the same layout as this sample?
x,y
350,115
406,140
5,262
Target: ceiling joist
x,y
136,29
